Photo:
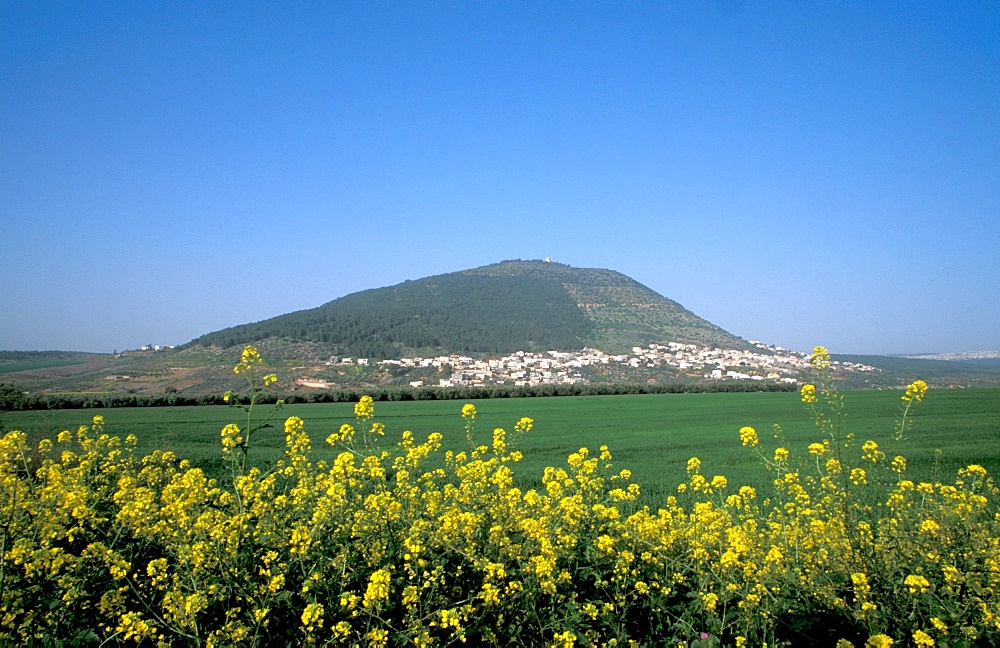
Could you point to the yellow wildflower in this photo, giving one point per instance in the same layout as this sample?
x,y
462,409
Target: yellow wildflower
x,y
248,359
915,391
312,617
930,527
808,393
975,470
378,588
748,436
820,357
231,436
916,584
364,408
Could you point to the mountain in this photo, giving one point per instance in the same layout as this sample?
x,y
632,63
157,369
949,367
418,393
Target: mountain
x,y
501,308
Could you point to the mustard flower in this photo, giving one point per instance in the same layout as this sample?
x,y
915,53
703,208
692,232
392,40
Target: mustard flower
x,y
231,436
870,451
748,436
378,637
930,527
248,359
469,411
499,441
820,358
364,408
378,588
915,391
132,626
921,638
916,584
781,454
976,471
565,639
817,449
808,392
293,425
312,617
879,641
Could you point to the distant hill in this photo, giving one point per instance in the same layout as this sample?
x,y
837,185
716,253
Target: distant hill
x,y
901,369
500,308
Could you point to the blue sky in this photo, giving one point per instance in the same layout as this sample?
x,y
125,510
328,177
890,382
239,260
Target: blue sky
x,y
798,173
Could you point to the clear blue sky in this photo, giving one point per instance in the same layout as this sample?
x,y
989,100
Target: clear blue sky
x,y
800,173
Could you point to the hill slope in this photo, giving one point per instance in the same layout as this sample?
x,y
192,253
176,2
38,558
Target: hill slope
x,y
500,308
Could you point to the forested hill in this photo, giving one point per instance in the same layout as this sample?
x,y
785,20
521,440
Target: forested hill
x,y
500,308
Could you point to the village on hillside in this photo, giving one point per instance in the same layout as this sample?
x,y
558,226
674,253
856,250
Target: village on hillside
x,y
763,363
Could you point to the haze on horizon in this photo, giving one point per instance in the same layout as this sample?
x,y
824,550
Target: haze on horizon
x,y
802,174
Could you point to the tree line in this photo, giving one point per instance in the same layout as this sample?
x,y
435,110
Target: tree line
x,y
12,399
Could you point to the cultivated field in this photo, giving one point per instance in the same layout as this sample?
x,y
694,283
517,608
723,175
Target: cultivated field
x,y
652,435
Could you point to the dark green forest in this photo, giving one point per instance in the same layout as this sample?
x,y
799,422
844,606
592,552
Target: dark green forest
x,y
501,308
460,313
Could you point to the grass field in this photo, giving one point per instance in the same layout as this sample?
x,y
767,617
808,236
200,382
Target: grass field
x,y
40,363
652,435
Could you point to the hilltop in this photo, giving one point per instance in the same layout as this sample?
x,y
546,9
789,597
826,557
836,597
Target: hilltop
x,y
511,324
501,308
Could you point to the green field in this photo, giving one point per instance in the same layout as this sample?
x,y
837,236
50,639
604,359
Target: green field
x,y
41,363
652,435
